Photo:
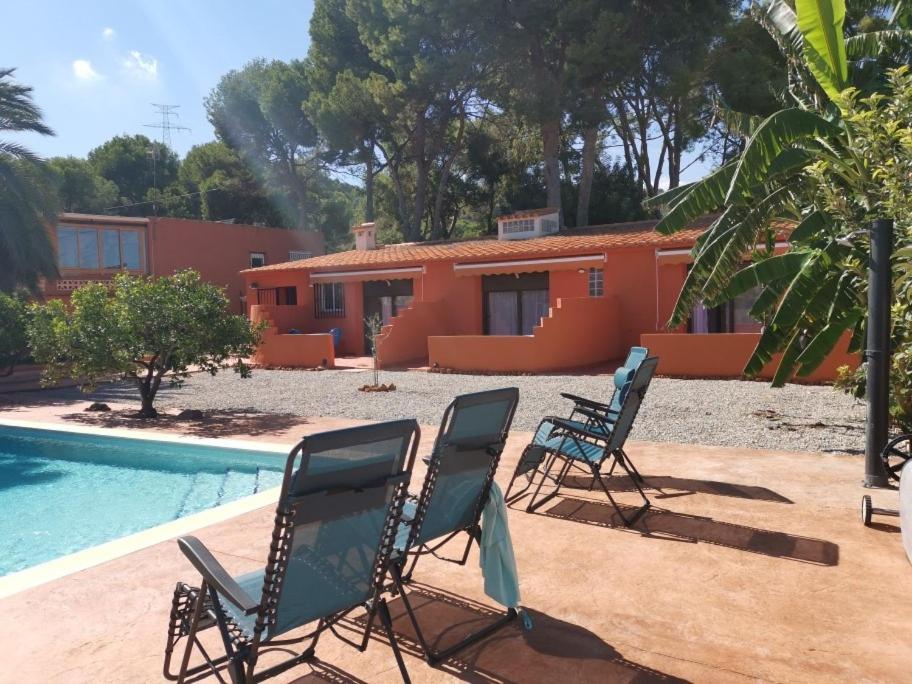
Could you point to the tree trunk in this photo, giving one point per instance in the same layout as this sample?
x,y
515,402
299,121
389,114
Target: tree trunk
x,y
674,155
369,182
437,228
550,132
147,395
490,225
421,178
148,388
590,143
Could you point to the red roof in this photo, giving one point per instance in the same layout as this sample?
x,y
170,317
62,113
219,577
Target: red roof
x,y
586,241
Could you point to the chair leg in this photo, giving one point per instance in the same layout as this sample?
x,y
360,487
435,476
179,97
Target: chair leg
x,y
434,657
558,481
622,455
628,522
387,621
191,635
516,474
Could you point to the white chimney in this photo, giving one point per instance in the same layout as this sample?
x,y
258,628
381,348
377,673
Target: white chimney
x,y
365,237
528,224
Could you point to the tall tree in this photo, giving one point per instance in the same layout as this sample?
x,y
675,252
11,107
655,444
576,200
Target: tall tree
x,y
27,205
136,165
598,61
258,111
221,187
80,187
530,41
664,106
426,89
341,102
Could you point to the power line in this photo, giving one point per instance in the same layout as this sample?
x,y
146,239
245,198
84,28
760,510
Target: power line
x,y
163,200
165,125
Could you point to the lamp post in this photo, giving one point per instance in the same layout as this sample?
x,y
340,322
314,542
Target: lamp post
x,y
877,386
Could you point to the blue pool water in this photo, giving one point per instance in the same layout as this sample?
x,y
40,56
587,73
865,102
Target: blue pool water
x,y
62,492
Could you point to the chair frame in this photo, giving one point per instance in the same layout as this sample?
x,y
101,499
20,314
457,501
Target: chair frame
x,y
402,576
582,405
194,610
606,437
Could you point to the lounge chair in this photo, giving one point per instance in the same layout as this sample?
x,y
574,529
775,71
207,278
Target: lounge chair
x,y
622,378
460,472
589,444
338,512
586,413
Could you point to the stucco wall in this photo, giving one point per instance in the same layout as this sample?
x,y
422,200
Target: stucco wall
x,y
724,355
406,338
220,250
295,351
579,332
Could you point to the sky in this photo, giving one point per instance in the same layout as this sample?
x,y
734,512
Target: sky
x,y
97,66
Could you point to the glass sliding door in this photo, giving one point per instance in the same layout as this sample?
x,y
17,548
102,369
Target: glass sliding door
x,y
514,304
534,307
503,313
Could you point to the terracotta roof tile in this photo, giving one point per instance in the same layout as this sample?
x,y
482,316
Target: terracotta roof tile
x,y
583,241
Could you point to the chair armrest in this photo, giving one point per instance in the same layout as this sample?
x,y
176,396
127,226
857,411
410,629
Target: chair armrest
x,y
216,575
597,416
582,401
567,426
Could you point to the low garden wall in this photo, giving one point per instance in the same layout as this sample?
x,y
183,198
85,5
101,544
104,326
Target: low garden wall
x,y
578,332
724,355
286,350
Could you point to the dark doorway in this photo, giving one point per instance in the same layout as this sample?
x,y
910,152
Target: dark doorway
x,y
384,298
281,296
514,304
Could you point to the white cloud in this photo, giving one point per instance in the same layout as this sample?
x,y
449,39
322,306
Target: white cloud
x,y
83,70
108,33
141,66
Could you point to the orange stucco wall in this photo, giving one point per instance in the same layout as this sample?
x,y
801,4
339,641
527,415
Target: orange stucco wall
x,y
579,332
444,323
724,355
406,338
220,250
217,250
280,349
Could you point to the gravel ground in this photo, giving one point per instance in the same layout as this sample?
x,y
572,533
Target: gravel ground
x,y
716,412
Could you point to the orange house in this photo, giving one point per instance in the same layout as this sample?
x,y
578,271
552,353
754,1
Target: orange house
x,y
531,299
92,247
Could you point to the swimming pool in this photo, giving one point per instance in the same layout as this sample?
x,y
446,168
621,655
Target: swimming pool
x,y
61,492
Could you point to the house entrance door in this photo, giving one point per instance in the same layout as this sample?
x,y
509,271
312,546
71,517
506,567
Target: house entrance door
x,y
514,304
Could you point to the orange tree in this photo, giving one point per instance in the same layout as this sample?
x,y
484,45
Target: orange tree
x,y
141,329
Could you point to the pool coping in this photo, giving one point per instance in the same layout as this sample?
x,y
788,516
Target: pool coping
x,y
56,568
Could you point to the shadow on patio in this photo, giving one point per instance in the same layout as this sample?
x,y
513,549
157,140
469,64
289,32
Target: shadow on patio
x,y
552,651
226,423
684,486
665,524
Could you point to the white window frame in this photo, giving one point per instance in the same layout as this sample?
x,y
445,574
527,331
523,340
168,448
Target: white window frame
x,y
299,254
261,255
338,300
596,279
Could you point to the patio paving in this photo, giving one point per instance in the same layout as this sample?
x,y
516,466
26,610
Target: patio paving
x,y
752,565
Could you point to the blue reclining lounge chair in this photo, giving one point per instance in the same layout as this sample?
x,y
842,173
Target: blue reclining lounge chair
x,y
338,512
460,472
589,444
623,376
586,414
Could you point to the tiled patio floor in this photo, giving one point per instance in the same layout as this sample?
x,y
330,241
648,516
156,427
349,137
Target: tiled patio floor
x,y
751,566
